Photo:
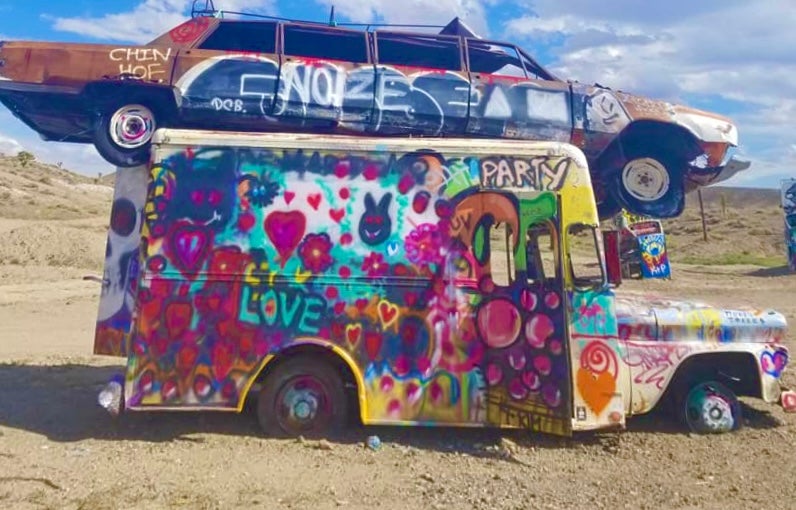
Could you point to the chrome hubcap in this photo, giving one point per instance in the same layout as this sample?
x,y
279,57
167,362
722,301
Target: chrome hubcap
x,y
132,126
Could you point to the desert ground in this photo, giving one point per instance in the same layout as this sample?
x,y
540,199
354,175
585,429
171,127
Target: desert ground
x,y
59,449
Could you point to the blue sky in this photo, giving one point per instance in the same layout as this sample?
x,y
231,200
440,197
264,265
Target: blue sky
x,y
734,57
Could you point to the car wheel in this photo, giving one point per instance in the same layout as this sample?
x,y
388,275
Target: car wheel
x,y
302,396
710,408
123,133
650,185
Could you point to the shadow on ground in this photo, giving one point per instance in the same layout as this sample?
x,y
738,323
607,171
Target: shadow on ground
x,y
59,402
768,272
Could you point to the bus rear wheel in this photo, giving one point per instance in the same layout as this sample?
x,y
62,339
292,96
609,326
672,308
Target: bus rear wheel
x,y
302,397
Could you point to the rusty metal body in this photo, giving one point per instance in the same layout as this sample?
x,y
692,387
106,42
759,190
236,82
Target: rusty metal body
x,y
287,76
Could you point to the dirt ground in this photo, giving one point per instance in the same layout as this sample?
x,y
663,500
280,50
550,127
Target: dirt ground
x,y
59,449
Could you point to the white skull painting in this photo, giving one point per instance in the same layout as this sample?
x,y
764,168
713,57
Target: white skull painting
x,y
121,252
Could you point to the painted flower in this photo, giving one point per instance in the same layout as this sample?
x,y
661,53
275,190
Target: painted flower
x,y
315,252
258,191
374,265
423,245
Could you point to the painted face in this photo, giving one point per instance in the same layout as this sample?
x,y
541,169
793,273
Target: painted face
x,y
604,113
375,225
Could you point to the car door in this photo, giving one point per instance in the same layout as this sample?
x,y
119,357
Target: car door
x,y
229,79
517,98
326,77
421,85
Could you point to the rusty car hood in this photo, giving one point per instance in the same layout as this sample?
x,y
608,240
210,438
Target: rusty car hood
x,y
642,317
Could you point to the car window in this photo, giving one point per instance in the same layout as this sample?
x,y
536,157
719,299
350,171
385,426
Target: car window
x,y
417,50
494,58
257,36
326,43
534,70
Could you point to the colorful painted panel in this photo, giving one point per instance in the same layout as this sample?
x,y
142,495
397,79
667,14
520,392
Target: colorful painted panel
x,y
654,258
651,318
117,297
249,251
789,208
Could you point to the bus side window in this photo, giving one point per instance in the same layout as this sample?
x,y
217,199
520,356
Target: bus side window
x,y
541,253
501,254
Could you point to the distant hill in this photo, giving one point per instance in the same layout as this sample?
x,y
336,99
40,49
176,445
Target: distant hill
x,y
745,225
41,191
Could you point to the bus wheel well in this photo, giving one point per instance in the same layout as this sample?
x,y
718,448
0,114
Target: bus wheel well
x,y
736,370
324,354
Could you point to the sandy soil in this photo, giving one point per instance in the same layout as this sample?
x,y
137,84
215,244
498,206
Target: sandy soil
x,y
58,449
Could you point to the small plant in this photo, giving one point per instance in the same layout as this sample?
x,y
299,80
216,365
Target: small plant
x,y
25,157
723,205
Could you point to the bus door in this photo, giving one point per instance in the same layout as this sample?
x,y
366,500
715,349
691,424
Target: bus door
x,y
522,319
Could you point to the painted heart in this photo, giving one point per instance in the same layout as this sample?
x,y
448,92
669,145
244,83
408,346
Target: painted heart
x,y
373,341
773,364
337,214
285,230
314,200
189,245
595,389
222,355
186,359
392,248
352,333
388,312
289,196
178,318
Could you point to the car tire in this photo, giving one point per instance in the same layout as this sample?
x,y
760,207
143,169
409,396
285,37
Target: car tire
x,y
123,133
650,184
302,396
711,408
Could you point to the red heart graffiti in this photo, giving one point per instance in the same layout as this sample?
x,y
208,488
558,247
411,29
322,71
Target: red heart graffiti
x,y
314,200
373,341
289,195
353,332
387,311
337,214
178,318
186,359
189,246
223,354
285,230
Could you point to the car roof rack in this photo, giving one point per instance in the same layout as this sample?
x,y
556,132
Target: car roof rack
x,y
207,8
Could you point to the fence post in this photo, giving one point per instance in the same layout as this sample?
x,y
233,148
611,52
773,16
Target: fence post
x,y
702,214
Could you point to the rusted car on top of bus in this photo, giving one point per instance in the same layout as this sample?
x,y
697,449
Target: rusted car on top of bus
x,y
237,75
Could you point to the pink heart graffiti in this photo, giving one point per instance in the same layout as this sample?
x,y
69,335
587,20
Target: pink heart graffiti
x,y
285,230
189,246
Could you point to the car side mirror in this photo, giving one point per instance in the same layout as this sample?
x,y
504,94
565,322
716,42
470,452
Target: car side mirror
x,y
613,265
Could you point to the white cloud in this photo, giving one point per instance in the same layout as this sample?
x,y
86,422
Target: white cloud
x,y
147,20
425,12
9,146
685,50
80,158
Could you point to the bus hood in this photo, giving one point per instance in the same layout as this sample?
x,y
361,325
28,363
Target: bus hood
x,y
651,318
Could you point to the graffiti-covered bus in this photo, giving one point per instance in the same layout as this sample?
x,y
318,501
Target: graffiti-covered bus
x,y
789,209
413,282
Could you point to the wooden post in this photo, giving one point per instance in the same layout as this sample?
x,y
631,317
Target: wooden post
x,y
702,214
